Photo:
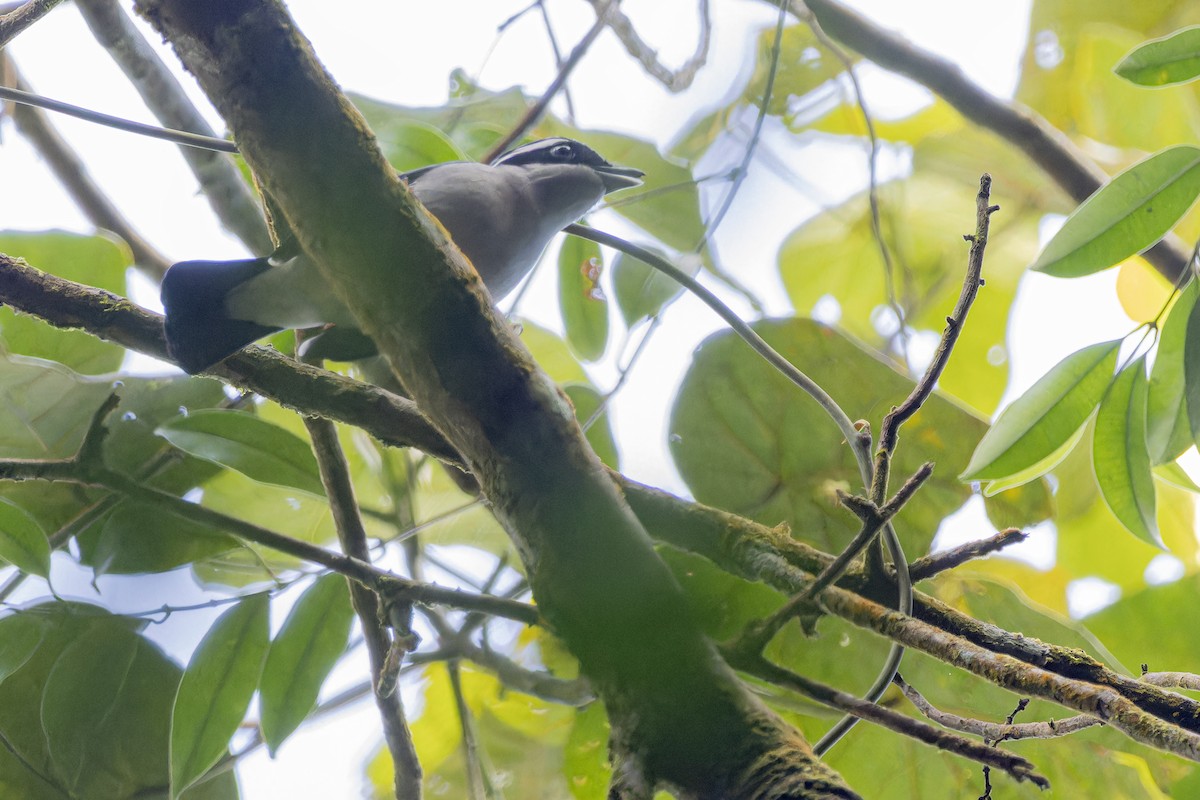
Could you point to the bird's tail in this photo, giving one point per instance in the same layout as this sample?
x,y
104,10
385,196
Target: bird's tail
x,y
199,331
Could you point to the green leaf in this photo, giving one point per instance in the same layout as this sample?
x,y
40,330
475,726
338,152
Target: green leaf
x,y
551,353
1175,475
137,537
1125,216
45,408
216,689
1041,467
257,449
22,541
1169,431
311,641
1051,412
1119,453
22,634
746,440
101,261
641,291
104,713
147,403
1162,62
410,145
583,305
585,755
1191,371
586,401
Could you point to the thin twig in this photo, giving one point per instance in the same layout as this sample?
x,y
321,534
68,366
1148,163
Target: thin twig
x,y
742,171
889,271
772,356
758,635
558,58
339,488
222,183
995,731
889,437
1017,767
74,177
470,746
24,97
954,323
535,111
19,19
677,80
393,586
925,568
1173,680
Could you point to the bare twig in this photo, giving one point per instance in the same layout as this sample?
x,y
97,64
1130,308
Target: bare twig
x,y
1019,768
91,473
339,488
929,566
954,323
889,272
470,745
73,175
674,80
742,170
889,437
1173,680
27,98
223,185
559,61
758,635
772,356
535,112
19,19
994,731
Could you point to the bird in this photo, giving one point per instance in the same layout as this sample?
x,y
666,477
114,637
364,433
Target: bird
x,y
501,215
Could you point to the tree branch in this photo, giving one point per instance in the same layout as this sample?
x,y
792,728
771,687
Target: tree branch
x,y
335,476
995,731
929,566
733,543
676,80
19,19
1018,768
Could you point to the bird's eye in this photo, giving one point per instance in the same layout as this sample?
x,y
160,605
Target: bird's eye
x,y
561,151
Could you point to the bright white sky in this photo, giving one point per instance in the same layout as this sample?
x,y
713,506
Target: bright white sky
x,y
404,52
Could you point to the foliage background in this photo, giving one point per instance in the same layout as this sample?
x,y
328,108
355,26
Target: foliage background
x,y
812,159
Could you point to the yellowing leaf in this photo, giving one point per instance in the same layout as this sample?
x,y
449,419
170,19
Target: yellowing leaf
x,y
1141,290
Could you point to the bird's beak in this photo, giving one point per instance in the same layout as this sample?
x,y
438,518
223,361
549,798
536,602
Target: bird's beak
x,y
617,178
